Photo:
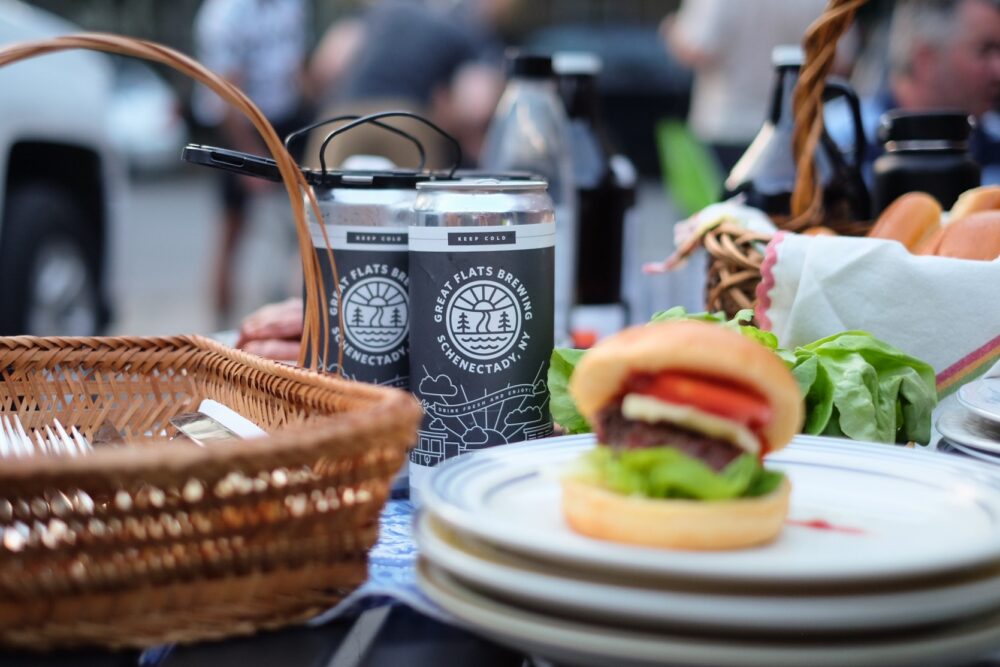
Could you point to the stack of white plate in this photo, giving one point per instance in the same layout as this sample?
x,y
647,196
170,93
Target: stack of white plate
x,y
891,556
972,426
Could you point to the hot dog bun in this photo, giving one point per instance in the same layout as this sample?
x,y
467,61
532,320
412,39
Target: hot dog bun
x,y
985,198
910,219
820,231
975,236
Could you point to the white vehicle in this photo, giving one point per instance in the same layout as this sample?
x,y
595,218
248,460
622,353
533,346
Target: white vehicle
x,y
59,182
145,122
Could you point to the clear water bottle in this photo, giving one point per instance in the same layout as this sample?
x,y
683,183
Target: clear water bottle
x,y
529,132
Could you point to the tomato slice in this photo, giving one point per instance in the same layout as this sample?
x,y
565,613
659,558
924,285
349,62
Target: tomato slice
x,y
711,396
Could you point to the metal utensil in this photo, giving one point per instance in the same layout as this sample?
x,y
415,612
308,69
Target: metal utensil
x,y
53,440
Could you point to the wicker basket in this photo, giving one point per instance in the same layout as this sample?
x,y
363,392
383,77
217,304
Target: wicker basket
x,y
736,254
158,541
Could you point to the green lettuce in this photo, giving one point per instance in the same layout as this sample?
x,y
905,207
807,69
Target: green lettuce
x,y
740,322
665,472
565,359
860,387
853,384
564,412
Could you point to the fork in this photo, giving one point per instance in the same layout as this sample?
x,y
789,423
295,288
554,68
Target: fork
x,y
15,441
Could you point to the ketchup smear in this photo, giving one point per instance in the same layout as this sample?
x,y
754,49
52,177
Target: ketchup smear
x,y
823,524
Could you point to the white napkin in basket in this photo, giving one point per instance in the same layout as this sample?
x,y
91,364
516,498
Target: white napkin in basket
x,y
944,311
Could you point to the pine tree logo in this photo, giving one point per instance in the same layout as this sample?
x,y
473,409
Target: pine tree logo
x,y
377,313
484,319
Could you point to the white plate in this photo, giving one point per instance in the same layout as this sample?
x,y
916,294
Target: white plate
x,y
948,447
960,426
629,600
982,396
579,643
914,513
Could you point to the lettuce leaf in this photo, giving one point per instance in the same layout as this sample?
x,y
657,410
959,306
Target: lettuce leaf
x,y
863,388
564,412
565,359
853,384
665,472
739,322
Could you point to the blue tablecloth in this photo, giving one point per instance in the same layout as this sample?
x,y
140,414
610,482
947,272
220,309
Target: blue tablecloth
x,y
391,570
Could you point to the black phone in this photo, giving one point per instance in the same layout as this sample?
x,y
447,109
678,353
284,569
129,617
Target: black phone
x,y
238,162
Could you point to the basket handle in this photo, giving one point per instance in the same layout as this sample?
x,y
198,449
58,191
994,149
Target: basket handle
x,y
291,137
820,45
456,148
316,318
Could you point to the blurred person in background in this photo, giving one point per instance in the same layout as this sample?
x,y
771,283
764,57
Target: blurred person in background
x,y
728,44
942,54
436,58
261,47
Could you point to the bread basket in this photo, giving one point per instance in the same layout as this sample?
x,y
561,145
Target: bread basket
x,y
160,541
736,253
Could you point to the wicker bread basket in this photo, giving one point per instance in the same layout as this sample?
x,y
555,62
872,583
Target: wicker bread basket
x,y
159,541
736,253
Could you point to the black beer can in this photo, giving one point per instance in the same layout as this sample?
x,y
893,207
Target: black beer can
x,y
367,216
481,319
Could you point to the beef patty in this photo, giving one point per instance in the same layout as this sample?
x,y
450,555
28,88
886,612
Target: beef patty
x,y
613,428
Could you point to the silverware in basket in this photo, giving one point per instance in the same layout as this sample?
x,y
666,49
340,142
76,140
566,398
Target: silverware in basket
x,y
53,440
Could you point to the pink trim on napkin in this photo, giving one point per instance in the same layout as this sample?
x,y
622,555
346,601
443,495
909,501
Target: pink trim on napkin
x,y
968,367
767,281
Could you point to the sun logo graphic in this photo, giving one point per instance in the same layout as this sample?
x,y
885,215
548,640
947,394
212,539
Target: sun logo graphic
x,y
484,319
376,314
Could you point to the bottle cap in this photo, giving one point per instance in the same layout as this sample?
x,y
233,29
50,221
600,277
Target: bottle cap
x,y
942,125
529,65
576,63
787,55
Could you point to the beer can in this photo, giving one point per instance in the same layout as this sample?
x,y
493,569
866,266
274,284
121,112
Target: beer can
x,y
367,216
481,324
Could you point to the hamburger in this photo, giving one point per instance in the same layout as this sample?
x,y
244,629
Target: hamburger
x,y
684,412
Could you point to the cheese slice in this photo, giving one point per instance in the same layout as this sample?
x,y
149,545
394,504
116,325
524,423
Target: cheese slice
x,y
648,409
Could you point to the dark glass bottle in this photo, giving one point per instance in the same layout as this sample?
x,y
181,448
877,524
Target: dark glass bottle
x,y
765,174
604,192
926,152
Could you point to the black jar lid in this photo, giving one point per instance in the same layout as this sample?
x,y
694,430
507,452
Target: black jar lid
x,y
529,65
944,125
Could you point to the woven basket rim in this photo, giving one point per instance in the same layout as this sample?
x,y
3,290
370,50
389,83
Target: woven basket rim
x,y
314,433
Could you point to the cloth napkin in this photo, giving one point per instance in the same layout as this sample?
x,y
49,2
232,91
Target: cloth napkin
x,y
942,310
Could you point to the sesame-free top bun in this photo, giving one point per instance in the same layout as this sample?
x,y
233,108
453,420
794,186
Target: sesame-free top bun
x,y
693,347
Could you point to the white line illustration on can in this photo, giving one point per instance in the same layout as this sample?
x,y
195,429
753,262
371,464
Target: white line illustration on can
x,y
377,314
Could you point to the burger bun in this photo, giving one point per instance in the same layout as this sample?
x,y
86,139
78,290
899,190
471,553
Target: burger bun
x,y
674,524
697,348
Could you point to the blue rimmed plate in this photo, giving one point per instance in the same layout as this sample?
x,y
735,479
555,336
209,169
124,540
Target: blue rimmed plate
x,y
982,396
859,511
577,642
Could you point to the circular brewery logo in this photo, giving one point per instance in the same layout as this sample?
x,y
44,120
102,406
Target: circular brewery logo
x,y
484,319
376,314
